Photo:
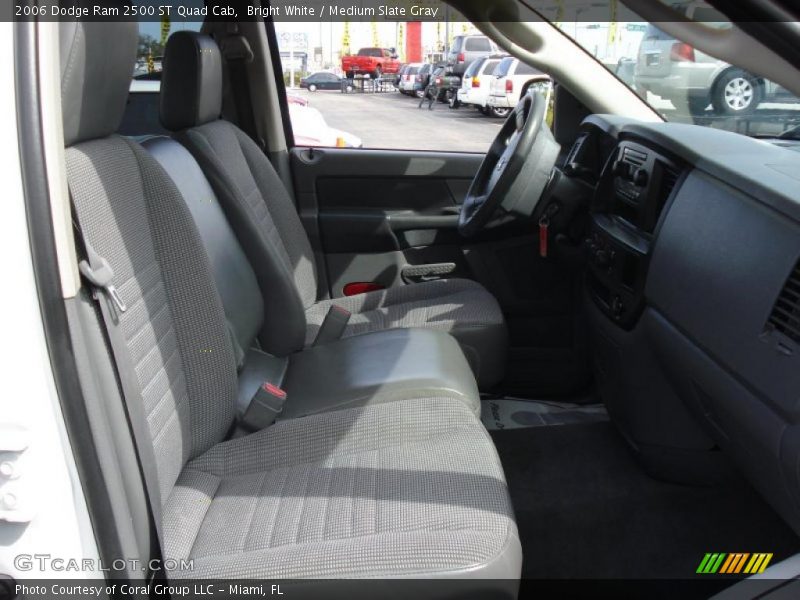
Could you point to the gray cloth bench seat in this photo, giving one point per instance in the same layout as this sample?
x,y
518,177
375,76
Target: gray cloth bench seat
x,y
266,222
407,488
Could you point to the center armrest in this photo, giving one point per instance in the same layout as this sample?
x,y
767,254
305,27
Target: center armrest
x,y
378,367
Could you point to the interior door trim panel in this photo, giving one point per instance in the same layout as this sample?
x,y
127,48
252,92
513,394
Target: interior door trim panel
x,y
372,213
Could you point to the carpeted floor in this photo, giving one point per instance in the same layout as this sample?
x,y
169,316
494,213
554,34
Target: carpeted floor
x,y
586,510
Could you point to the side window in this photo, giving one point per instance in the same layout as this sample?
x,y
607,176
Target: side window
x,y
377,106
142,111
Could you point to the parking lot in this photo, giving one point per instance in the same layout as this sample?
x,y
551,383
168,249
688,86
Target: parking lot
x,y
392,120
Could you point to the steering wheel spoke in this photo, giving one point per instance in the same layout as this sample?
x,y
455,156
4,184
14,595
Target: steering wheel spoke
x,y
516,151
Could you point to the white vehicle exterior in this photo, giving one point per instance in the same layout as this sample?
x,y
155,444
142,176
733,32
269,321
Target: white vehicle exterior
x,y
310,129
512,78
475,84
409,79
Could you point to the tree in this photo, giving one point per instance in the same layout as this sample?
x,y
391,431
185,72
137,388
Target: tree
x,y
149,46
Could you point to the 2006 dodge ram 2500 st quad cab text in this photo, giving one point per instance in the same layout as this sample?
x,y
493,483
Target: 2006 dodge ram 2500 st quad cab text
x,y
374,62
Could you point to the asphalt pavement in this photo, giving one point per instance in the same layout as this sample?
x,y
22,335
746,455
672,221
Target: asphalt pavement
x,y
392,120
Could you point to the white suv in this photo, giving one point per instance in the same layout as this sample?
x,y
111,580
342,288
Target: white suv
x,y
512,78
475,84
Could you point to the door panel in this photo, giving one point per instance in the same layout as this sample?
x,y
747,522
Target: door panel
x,y
373,212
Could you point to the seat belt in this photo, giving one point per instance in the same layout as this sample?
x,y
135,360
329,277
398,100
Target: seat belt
x,y
265,406
238,54
333,325
99,274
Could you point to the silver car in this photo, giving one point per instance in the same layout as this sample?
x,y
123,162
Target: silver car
x,y
466,49
692,80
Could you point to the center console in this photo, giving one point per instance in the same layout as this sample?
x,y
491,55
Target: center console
x,y
631,201
633,190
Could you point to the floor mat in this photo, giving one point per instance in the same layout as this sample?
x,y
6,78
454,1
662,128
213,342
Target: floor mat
x,y
515,413
586,510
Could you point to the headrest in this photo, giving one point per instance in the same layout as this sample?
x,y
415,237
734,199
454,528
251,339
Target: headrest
x,y
191,84
97,61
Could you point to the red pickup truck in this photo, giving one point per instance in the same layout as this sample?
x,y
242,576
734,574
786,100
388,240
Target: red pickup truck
x,y
373,61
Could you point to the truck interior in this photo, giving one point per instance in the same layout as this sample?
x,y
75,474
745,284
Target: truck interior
x,y
573,357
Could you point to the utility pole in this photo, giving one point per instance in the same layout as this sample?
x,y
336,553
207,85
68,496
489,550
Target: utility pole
x,y
446,29
291,60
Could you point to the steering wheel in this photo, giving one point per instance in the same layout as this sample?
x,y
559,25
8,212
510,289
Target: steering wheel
x,y
515,171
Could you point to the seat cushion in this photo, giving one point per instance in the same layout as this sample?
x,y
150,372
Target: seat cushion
x,y
409,488
461,307
377,367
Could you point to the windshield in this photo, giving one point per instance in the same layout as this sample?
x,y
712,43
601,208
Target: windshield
x,y
375,52
491,65
684,84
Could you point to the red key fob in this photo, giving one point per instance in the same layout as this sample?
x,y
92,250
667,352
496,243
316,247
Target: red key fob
x,y
544,224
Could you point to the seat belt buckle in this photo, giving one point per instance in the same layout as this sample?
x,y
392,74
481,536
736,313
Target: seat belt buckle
x,y
100,276
333,325
264,408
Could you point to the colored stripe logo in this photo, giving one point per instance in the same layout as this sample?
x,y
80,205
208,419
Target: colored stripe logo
x,y
734,563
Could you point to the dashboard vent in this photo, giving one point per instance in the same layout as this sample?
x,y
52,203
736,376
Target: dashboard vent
x,y
785,316
669,181
576,149
634,157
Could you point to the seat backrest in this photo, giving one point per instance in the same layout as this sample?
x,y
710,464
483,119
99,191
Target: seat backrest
x,y
252,194
235,279
133,215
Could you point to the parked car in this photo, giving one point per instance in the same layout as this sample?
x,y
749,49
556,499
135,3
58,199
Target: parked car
x,y
408,78
311,129
512,78
475,84
422,79
397,76
374,62
691,80
466,49
441,86
322,80
448,84
626,70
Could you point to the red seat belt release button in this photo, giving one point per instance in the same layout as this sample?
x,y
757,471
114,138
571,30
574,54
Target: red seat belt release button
x,y
274,390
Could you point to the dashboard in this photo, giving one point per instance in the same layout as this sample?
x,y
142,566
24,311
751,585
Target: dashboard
x,y
694,287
